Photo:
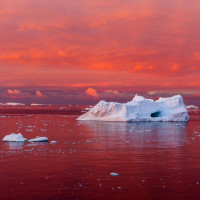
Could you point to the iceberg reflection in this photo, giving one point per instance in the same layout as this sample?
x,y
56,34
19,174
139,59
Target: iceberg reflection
x,y
15,145
140,134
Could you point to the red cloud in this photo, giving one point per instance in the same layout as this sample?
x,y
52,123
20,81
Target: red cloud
x,y
129,46
92,92
174,68
13,92
39,94
138,68
10,56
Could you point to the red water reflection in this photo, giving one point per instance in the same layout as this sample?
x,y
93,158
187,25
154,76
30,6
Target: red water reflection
x,y
153,160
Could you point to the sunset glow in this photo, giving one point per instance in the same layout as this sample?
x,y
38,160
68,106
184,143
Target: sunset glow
x,y
82,51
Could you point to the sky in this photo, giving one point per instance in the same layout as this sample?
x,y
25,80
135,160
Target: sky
x,y
81,51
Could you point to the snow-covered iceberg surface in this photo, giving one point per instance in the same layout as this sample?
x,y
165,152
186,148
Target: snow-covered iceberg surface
x,y
139,109
14,138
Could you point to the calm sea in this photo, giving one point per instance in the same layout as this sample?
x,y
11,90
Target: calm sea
x,y
151,160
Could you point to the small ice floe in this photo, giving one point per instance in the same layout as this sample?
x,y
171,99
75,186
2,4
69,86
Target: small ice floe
x,y
14,138
192,107
39,139
53,142
114,174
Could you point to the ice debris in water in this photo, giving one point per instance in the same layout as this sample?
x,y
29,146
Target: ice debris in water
x,y
39,139
139,109
114,174
53,142
14,138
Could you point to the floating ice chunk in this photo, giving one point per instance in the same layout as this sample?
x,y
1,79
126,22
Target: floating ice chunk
x,y
39,139
192,107
139,109
53,142
114,174
14,138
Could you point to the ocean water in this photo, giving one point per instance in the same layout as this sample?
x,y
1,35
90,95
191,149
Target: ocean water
x,y
149,160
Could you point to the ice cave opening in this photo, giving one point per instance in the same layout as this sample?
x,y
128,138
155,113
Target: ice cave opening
x,y
156,114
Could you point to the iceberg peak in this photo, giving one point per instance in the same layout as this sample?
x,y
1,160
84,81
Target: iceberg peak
x,y
138,98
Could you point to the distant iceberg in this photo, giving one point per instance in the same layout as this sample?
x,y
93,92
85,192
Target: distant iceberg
x,y
36,104
139,109
192,107
12,104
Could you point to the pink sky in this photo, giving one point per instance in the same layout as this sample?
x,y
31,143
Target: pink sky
x,y
98,49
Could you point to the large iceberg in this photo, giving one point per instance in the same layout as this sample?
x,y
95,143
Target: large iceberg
x,y
139,109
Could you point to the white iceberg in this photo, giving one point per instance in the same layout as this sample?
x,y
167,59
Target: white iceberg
x,y
139,109
39,139
14,104
14,138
